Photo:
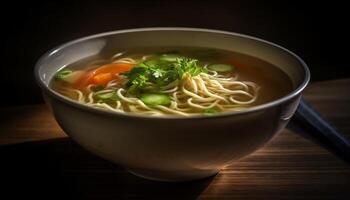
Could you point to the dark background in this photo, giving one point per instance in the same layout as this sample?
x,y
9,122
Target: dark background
x,y
316,32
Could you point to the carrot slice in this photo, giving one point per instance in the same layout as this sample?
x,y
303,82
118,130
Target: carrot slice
x,y
114,68
102,79
103,73
84,81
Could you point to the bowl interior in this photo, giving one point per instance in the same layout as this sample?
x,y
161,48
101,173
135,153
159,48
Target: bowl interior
x,y
76,50
138,38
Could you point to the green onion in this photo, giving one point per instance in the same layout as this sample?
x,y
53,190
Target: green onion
x,y
169,57
209,111
62,74
155,99
108,96
221,67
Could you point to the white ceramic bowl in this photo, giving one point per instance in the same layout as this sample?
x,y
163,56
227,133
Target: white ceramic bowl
x,y
171,148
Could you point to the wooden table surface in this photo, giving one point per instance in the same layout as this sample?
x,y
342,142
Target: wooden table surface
x,y
38,160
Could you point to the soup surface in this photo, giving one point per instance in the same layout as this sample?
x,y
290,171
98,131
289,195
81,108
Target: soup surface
x,y
172,81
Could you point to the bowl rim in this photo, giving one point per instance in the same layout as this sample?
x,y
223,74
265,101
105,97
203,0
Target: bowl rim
x,y
75,104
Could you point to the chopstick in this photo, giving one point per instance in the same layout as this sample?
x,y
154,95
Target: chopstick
x,y
310,124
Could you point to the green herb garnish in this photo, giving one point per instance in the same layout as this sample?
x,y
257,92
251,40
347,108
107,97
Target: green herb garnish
x,y
156,73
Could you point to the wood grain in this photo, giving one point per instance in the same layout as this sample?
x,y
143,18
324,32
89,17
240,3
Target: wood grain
x,y
38,160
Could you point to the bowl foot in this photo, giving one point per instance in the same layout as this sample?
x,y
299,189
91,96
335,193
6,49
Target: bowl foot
x,y
172,176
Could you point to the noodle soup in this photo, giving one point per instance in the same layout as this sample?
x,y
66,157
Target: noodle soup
x,y
172,81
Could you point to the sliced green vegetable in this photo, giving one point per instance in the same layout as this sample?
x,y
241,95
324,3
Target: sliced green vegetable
x,y
221,67
210,111
169,57
155,99
108,96
62,74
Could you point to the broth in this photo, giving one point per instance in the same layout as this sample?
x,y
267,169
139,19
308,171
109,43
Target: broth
x,y
224,81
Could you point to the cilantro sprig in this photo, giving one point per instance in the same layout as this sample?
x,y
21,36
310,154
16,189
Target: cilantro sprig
x,y
157,73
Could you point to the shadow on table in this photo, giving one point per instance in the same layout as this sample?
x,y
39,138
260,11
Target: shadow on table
x,y
60,169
